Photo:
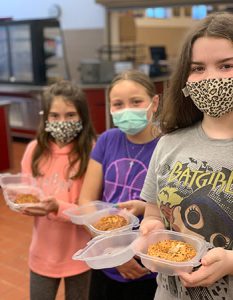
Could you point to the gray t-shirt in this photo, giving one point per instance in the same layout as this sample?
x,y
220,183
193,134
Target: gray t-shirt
x,y
190,177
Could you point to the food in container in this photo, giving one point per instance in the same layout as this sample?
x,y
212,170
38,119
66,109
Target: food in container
x,y
26,198
172,250
20,191
169,267
99,216
110,222
130,222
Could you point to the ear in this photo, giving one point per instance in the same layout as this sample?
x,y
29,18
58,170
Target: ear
x,y
155,103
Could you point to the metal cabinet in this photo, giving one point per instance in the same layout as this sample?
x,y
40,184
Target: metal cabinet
x,y
29,50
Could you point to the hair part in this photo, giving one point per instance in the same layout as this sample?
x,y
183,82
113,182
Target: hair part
x,y
179,111
82,144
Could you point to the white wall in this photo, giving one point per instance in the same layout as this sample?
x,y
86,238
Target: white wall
x,y
76,14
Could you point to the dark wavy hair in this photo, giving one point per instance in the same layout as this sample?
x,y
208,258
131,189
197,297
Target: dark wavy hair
x,y
178,111
82,144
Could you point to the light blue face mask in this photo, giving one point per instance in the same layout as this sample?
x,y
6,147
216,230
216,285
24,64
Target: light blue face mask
x,y
131,120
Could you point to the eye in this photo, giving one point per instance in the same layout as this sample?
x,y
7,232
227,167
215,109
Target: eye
x,y
193,217
136,102
197,69
53,115
117,104
219,240
227,67
72,115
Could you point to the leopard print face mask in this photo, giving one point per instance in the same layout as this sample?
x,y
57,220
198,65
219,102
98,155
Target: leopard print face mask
x,y
211,96
64,131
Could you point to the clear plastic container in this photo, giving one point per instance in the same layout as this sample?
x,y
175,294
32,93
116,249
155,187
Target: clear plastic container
x,y
82,213
18,184
132,221
92,212
107,251
7,179
171,268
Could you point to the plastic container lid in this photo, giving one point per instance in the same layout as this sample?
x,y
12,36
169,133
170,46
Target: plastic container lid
x,y
14,185
80,214
108,251
19,179
113,250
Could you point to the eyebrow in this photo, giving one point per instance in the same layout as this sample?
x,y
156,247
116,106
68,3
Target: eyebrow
x,y
226,59
68,112
220,61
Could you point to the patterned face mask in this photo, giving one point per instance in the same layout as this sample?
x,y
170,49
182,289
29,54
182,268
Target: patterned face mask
x,y
211,96
64,131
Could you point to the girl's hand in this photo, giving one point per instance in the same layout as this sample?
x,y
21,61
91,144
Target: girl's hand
x,y
150,224
215,264
152,219
132,270
43,208
136,207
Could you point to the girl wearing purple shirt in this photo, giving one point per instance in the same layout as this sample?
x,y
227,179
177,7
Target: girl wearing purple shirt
x,y
116,173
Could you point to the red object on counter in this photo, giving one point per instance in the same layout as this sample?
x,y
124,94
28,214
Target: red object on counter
x,y
5,151
96,103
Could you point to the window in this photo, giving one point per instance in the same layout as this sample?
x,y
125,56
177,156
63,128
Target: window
x,y
199,11
158,12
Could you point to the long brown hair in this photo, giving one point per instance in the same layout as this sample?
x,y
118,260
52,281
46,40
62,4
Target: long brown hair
x,y
82,144
178,111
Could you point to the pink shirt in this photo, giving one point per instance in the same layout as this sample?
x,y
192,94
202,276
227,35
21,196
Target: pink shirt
x,y
55,239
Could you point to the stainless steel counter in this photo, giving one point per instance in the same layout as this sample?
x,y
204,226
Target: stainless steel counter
x,y
18,88
25,104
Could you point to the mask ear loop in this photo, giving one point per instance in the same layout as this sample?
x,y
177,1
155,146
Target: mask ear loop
x,y
149,106
185,91
155,130
152,113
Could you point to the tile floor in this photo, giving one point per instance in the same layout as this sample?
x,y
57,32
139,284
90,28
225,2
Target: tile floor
x,y
15,236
